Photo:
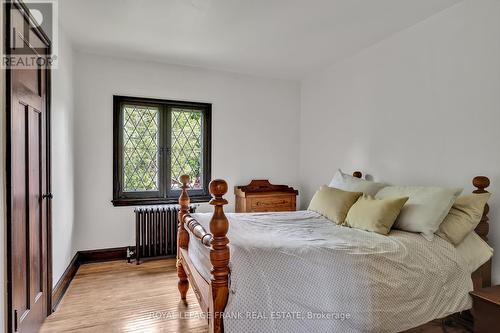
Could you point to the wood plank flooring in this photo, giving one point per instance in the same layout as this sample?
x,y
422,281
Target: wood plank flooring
x,y
119,297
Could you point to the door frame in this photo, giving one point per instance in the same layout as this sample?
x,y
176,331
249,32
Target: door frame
x,y
18,4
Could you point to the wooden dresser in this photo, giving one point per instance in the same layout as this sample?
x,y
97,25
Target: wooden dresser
x,y
262,196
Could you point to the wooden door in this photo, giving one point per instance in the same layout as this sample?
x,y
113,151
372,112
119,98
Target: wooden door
x,y
29,283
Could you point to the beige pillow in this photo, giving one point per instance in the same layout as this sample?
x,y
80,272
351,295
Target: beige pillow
x,y
376,215
475,251
333,203
463,217
425,209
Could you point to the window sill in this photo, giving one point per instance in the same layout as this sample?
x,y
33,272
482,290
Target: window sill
x,y
156,201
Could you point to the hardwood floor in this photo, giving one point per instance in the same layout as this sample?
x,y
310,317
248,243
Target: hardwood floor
x,y
119,297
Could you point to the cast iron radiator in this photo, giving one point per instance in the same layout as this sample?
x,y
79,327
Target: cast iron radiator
x,y
156,231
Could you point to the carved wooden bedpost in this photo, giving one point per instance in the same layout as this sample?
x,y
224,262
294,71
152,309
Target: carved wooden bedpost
x,y
482,277
219,256
482,182
182,236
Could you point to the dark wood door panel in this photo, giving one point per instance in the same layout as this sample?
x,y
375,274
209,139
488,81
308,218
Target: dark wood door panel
x,y
28,176
29,93
20,271
28,223
35,234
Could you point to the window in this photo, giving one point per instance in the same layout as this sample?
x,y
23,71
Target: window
x,y
155,142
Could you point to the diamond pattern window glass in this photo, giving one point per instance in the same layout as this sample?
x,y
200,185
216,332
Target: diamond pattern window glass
x,y
140,148
154,143
186,153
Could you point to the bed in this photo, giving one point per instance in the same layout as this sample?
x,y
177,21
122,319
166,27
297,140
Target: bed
x,y
297,272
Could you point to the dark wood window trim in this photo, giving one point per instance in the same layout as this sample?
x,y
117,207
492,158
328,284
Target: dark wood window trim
x,y
164,195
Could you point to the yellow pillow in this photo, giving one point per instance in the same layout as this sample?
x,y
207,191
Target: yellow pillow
x,y
463,217
333,203
376,215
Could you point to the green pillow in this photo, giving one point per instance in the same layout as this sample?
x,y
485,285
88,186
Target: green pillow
x,y
376,215
333,203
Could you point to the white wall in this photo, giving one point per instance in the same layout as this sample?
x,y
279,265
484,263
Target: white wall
x,y
254,133
62,159
422,107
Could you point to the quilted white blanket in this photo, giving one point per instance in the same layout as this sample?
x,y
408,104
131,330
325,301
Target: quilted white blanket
x,y
299,272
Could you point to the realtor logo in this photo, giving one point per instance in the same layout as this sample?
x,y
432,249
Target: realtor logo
x,y
27,47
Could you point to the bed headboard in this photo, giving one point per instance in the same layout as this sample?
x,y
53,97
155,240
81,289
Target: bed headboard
x,y
481,278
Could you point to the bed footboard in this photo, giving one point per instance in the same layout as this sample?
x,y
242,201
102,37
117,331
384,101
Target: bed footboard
x,y
217,242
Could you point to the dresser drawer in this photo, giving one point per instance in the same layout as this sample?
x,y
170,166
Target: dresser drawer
x,y
270,204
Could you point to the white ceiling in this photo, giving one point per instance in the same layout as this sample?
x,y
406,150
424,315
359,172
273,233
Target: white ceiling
x,y
275,38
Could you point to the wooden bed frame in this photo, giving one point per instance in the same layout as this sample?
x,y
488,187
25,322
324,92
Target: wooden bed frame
x,y
213,295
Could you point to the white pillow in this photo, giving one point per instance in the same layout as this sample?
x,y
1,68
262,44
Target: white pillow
x,y
343,181
425,209
475,251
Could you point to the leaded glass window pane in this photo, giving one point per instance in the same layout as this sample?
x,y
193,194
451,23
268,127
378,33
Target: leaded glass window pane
x,y
156,141
140,148
186,151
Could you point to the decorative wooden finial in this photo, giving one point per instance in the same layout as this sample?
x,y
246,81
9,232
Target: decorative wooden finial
x,y
218,187
481,182
219,254
184,179
357,174
182,235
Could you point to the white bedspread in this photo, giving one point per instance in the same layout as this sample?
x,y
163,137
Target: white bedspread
x,y
299,272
